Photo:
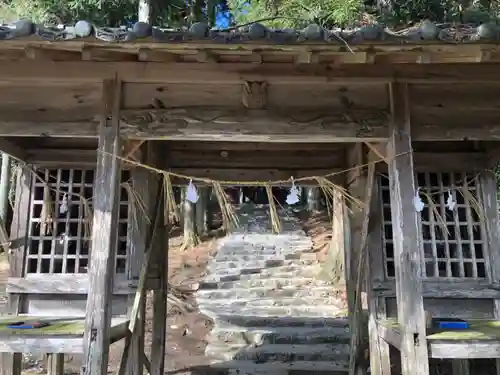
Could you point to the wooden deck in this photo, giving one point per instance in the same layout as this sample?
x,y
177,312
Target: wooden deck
x,y
63,335
480,340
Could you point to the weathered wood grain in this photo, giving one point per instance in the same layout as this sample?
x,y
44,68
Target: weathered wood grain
x,y
455,96
380,361
205,123
445,289
55,364
148,95
54,72
67,284
414,358
104,232
490,204
11,363
457,124
252,159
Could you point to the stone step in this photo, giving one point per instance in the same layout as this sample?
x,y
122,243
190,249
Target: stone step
x,y
250,367
315,290
279,352
261,256
305,304
214,311
229,268
265,283
233,335
288,272
225,320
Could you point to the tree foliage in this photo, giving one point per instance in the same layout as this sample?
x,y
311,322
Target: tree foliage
x,y
276,13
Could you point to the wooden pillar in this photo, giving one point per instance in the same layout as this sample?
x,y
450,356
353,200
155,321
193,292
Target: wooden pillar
x,y
312,198
337,251
11,364
145,186
407,239
201,210
160,259
380,360
490,204
55,364
104,235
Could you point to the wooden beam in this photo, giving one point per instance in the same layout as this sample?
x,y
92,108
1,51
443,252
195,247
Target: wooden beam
x,y
411,316
242,125
258,126
50,71
67,284
104,231
454,289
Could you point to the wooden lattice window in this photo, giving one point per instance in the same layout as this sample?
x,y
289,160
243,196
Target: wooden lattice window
x,y
453,241
58,243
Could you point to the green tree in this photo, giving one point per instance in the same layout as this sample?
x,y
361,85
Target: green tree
x,y
297,13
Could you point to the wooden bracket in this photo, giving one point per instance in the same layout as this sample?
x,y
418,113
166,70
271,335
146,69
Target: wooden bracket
x,y
131,149
379,149
254,94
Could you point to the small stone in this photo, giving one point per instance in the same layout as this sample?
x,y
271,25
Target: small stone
x,y
429,30
24,27
141,29
314,32
83,29
487,31
257,31
199,30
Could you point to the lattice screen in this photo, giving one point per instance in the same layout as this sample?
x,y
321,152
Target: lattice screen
x,y
60,245
453,243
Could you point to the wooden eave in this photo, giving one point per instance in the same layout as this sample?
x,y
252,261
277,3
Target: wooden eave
x,y
91,49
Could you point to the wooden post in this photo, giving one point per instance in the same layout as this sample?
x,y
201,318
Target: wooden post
x,y
490,204
160,258
55,364
5,187
201,211
104,236
144,184
407,240
380,361
312,199
11,364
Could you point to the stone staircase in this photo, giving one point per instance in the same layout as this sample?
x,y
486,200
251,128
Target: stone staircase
x,y
271,316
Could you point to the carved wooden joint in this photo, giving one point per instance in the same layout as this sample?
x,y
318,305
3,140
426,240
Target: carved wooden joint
x,y
131,149
254,94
